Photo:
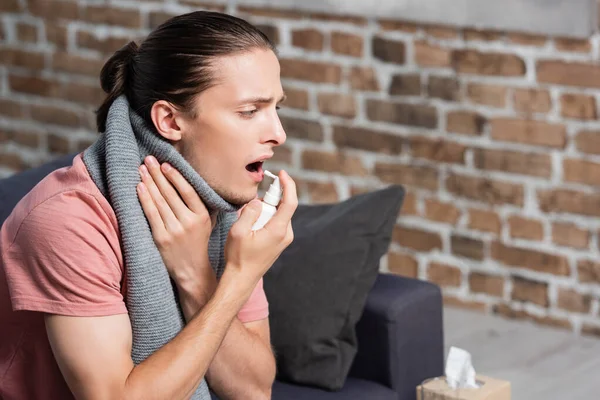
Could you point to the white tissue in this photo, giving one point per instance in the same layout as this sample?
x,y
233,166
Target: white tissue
x,y
459,369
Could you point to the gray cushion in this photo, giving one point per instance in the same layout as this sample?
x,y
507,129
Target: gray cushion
x,y
318,287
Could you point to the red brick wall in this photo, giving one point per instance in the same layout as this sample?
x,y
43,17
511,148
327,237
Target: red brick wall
x,y
495,135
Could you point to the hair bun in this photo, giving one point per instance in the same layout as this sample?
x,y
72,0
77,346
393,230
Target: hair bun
x,y
114,74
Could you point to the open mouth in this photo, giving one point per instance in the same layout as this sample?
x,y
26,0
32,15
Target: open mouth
x,y
255,166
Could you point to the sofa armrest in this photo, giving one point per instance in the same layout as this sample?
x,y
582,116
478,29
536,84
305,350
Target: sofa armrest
x,y
400,335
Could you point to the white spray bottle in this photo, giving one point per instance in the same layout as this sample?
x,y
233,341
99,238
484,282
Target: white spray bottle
x,y
269,202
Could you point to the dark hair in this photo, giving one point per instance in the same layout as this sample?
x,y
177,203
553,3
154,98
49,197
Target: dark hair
x,y
174,62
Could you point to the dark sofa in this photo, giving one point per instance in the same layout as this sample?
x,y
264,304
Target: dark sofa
x,y
400,334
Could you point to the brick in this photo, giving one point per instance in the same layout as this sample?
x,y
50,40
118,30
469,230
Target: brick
x,y
514,162
55,115
464,304
10,6
441,31
271,31
386,50
82,93
311,71
441,212
552,322
403,264
420,115
488,95
13,161
532,101
578,106
65,62
11,109
21,137
463,246
393,25
582,171
319,192
364,78
347,44
508,312
527,40
590,330
485,189
475,62
282,155
157,18
34,85
444,88
416,239
444,275
405,85
482,35
588,271
22,58
58,144
530,259
588,142
271,12
296,98
484,220
537,133
53,10
569,73
437,150
416,176
366,139
57,34
569,201
485,283
429,55
531,291
567,234
106,45
465,122
338,104
571,300
308,39
129,18
27,33
573,45
409,205
525,228
204,5
302,129
333,162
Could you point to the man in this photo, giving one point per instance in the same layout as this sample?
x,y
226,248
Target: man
x,y
209,84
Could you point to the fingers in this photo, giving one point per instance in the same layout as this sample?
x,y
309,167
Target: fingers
x,y
168,217
248,217
287,206
168,192
156,223
185,190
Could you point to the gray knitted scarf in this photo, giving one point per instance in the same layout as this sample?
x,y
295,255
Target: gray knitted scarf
x,y
113,162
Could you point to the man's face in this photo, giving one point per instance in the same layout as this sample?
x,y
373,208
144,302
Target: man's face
x,y
236,125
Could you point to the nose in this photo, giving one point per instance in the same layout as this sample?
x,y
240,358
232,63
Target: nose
x,y
275,134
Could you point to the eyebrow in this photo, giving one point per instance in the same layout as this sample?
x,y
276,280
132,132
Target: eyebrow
x,y
263,100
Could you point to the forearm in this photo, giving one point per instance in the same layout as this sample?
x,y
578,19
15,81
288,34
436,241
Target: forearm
x,y
176,369
244,366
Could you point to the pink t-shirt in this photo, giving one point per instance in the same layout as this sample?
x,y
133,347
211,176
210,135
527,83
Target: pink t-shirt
x,y
60,253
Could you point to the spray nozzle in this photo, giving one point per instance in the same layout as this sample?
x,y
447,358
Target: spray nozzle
x,y
273,195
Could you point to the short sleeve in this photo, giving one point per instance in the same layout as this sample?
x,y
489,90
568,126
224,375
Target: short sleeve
x,y
257,306
64,259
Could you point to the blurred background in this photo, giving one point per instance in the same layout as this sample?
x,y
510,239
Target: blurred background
x,y
485,111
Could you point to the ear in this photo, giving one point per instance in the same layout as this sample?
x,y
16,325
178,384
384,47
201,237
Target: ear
x,y
165,118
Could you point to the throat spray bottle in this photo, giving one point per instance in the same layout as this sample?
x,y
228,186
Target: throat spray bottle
x,y
269,202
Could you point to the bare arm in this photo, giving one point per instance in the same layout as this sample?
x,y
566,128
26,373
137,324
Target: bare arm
x,y
94,353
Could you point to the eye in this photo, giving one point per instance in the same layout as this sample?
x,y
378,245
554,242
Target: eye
x,y
249,113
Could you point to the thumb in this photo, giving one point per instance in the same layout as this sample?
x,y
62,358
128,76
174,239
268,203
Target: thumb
x,y
249,215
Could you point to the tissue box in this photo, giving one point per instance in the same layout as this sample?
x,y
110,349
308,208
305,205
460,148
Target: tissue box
x,y
489,389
